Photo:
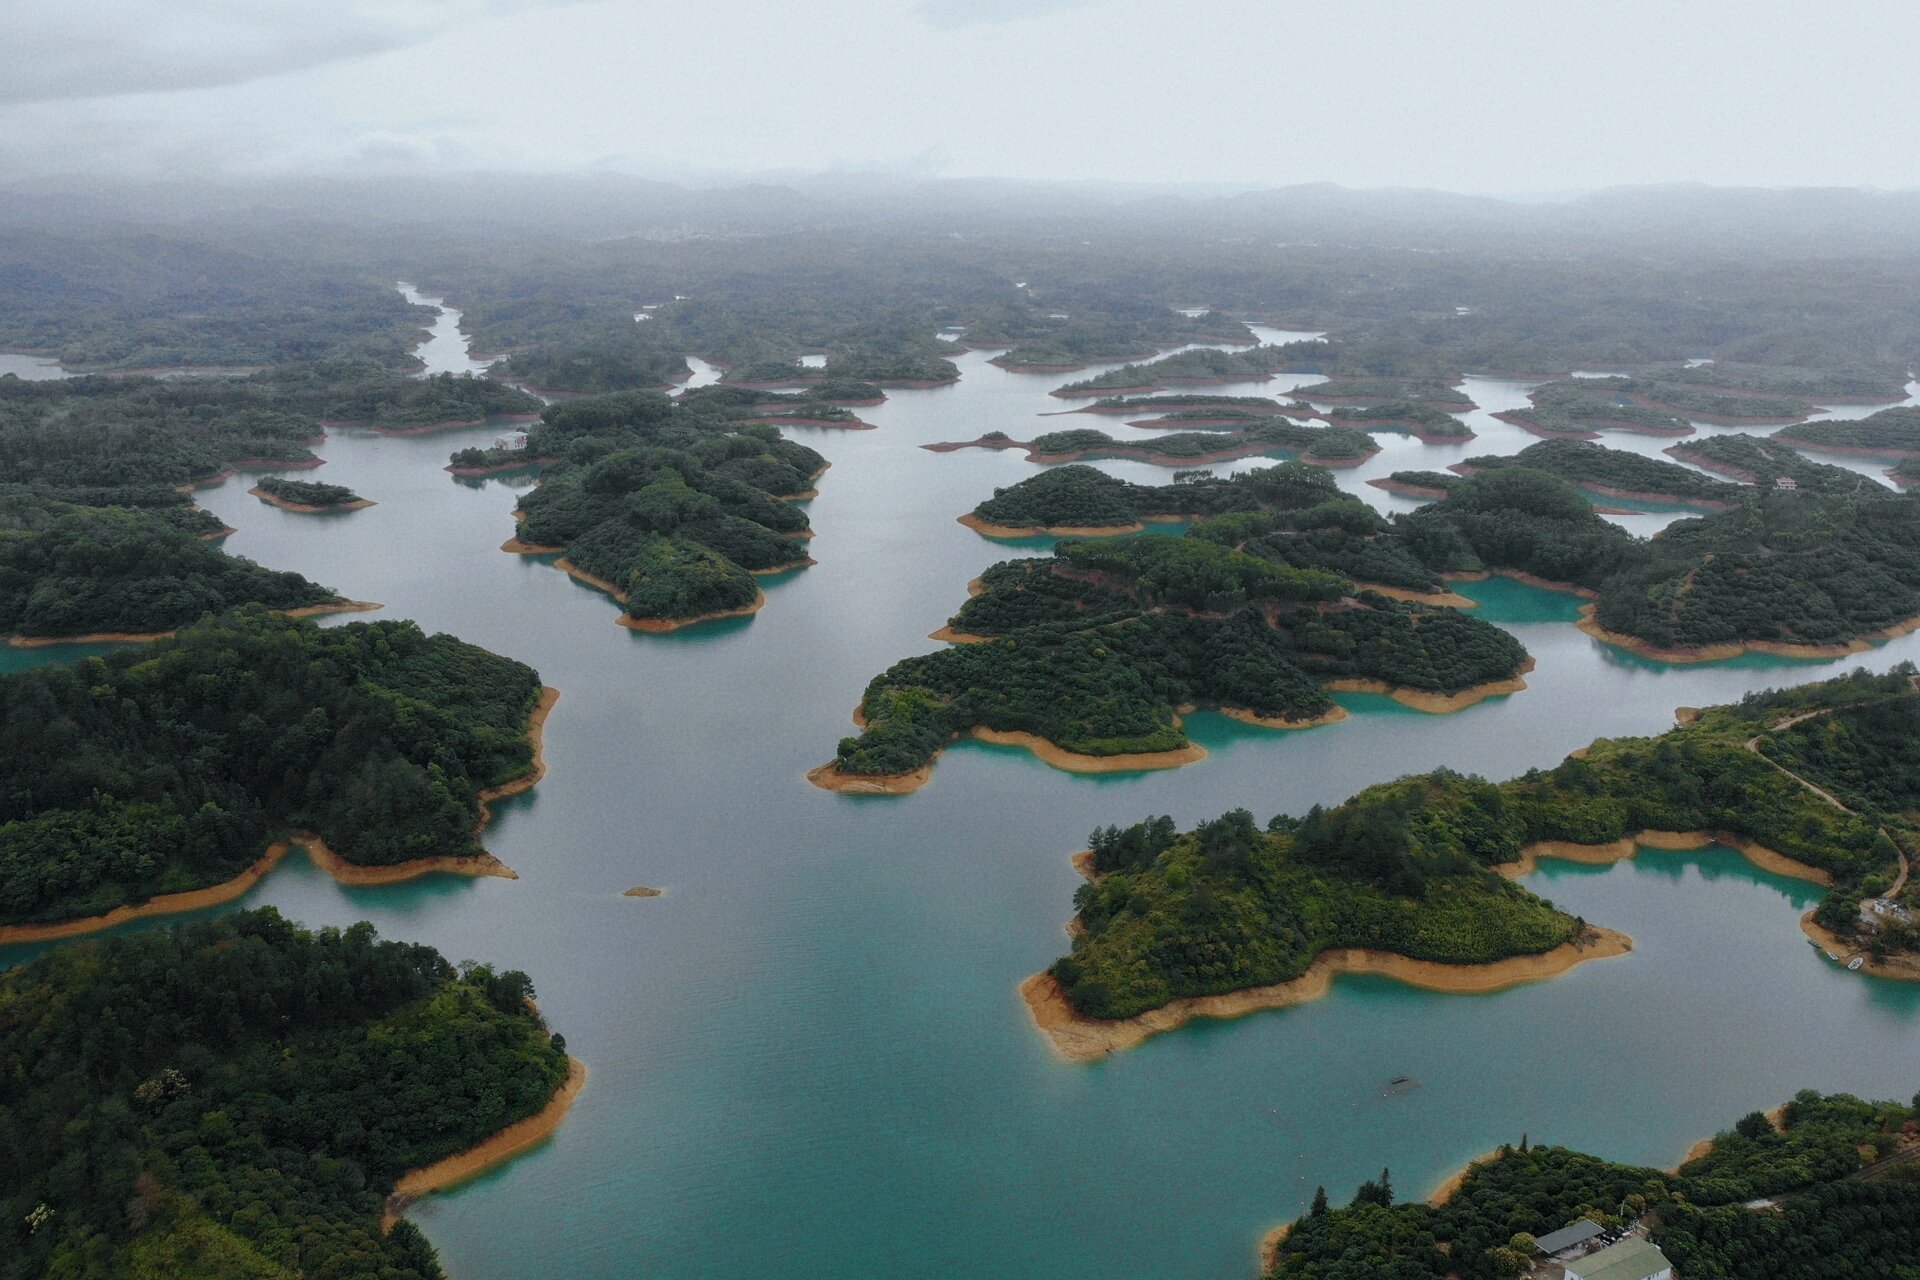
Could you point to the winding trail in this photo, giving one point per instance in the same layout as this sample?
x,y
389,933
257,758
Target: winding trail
x,y
1753,745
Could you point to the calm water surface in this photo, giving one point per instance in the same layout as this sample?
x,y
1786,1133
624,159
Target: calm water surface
x,y
810,1054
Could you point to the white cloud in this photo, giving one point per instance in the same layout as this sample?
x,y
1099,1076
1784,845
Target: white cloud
x,y
948,14
59,50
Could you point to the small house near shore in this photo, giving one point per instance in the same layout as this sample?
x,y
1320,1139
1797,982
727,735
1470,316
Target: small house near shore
x,y
1631,1259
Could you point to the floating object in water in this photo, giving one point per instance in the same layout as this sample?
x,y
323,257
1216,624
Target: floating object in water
x,y
1399,1085
641,891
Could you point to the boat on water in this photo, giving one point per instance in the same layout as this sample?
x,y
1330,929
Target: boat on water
x,y
1399,1085
1856,962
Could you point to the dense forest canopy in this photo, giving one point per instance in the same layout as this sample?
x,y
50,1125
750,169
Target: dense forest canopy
x,y
1828,1222
1611,471
1893,433
68,570
235,1098
172,766
131,298
308,493
1095,648
1407,866
676,506
1766,461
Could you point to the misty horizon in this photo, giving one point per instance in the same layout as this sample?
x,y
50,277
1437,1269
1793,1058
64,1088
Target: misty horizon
x,y
1488,97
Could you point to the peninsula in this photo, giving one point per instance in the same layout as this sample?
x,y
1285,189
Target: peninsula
x,y
1406,876
1088,658
374,744
1323,446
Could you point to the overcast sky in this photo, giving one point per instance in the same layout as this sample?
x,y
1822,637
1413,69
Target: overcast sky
x,y
1501,96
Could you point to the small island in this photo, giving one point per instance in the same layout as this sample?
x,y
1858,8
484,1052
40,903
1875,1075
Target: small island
x,y
1819,1181
1890,433
1194,408
1323,446
1411,878
1089,657
1396,393
373,745
1664,401
226,1073
1770,462
1202,366
1613,473
307,496
1425,422
401,406
1857,384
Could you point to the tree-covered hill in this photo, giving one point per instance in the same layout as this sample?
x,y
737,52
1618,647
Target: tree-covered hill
x,y
68,570
1612,472
672,509
235,1098
171,767
1826,1217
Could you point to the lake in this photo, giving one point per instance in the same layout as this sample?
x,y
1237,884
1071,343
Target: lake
x,y
810,1056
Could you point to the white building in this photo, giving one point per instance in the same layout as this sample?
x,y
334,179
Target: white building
x,y
1631,1259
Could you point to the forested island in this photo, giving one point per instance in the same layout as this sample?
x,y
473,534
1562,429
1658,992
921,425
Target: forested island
x,y
1843,382
1663,401
70,572
1818,1186
1088,657
1611,473
149,775
669,508
620,360
1890,433
307,496
1364,391
1230,918
1792,571
1324,446
1765,461
1201,366
1433,425
241,1097
1036,345
396,405
1192,405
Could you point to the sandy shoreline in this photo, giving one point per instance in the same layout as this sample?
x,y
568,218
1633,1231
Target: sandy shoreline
x,y
1335,716
1734,648
1083,1039
656,626
1438,704
1407,490
1629,846
307,508
517,1137
988,529
1901,968
653,626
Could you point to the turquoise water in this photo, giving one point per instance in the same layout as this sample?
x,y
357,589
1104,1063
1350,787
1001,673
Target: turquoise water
x,y
810,1054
